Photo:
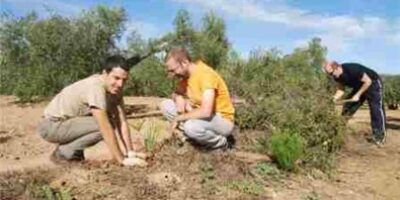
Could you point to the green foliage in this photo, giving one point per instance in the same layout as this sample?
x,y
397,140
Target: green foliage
x,y
207,173
150,142
247,186
152,129
54,52
268,170
49,193
288,93
392,91
287,148
149,77
209,43
311,196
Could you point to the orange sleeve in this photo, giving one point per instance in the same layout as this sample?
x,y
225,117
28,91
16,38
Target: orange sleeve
x,y
209,82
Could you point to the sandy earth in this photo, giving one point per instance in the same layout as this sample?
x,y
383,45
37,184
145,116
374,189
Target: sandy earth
x,y
364,171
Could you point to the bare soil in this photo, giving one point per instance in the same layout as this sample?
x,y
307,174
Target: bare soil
x,y
363,171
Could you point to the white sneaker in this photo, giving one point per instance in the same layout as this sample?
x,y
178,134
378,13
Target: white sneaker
x,y
133,154
134,162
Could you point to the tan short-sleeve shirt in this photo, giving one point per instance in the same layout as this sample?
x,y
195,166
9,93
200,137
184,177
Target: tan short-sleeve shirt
x,y
77,98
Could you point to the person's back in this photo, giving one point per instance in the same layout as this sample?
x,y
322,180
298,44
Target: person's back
x,y
352,75
76,99
204,77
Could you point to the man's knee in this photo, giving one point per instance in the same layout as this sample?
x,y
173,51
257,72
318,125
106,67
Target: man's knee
x,y
97,137
192,129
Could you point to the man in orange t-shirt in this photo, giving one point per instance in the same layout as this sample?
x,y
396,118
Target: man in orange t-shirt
x,y
201,104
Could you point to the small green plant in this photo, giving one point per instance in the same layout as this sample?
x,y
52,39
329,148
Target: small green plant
x,y
151,130
247,186
311,196
267,170
207,173
208,178
287,147
150,141
49,193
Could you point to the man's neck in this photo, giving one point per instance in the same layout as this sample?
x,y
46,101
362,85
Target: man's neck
x,y
192,68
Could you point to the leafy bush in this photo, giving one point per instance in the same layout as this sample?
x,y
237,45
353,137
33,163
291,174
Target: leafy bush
x,y
289,93
392,91
287,148
149,78
41,56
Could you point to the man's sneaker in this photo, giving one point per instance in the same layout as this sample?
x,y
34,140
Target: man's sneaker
x,y
140,155
134,161
230,143
58,158
380,139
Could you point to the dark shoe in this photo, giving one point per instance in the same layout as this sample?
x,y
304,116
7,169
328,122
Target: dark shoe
x,y
230,143
380,139
57,158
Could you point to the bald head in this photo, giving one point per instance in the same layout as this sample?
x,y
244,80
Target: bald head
x,y
330,66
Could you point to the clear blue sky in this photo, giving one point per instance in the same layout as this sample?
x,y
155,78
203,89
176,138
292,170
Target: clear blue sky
x,y
365,31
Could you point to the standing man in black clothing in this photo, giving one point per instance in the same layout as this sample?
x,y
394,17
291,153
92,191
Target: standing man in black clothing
x,y
366,85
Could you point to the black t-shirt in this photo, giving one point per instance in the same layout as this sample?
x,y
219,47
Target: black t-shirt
x,y
352,74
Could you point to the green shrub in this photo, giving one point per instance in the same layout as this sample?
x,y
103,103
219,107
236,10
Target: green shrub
x,y
53,52
391,91
149,78
289,92
287,148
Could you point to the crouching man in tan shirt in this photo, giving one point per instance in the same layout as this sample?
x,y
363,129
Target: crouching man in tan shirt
x,y
90,110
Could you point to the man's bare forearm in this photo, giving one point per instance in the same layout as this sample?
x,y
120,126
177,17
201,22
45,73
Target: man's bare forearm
x,y
180,103
194,114
363,88
339,93
108,133
126,136
366,80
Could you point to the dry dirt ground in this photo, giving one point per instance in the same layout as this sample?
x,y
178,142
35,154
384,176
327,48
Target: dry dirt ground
x,y
363,171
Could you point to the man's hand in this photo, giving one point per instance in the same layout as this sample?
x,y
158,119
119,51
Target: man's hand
x,y
335,99
355,98
174,125
134,162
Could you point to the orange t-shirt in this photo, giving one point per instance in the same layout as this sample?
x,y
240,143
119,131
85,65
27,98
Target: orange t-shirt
x,y
203,78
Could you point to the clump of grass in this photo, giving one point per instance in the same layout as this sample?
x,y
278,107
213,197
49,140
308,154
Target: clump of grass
x,y
49,193
151,130
207,173
311,196
268,170
208,178
247,186
287,147
150,141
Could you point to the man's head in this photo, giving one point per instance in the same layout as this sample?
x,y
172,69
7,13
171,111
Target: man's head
x,y
332,68
115,72
178,61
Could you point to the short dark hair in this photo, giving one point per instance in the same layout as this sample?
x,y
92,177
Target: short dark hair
x,y
115,61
